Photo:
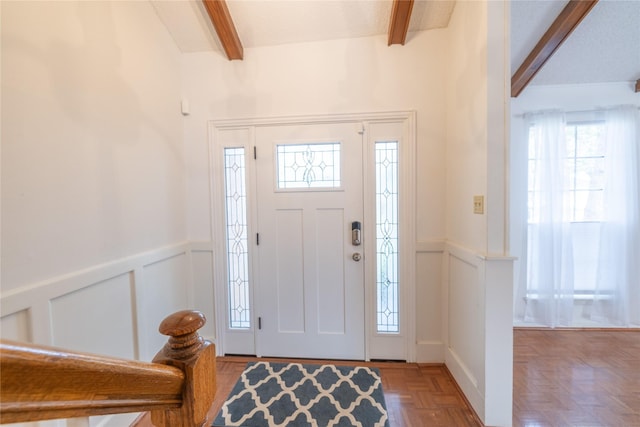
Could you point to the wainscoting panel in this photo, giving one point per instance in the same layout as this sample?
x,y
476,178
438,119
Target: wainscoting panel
x,y
203,295
478,292
164,289
16,326
112,309
465,311
429,302
81,320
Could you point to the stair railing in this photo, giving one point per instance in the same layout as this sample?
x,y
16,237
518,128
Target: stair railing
x,y
178,387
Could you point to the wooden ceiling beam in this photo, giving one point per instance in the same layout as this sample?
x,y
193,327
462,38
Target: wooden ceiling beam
x,y
565,23
226,30
399,23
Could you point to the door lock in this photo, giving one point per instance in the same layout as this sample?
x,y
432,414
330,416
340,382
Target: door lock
x,y
356,233
356,256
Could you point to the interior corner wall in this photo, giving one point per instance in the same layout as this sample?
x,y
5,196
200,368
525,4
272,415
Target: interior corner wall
x,y
93,177
466,108
477,269
360,75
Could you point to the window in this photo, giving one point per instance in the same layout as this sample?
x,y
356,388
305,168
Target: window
x,y
387,236
583,208
583,218
237,244
308,166
584,169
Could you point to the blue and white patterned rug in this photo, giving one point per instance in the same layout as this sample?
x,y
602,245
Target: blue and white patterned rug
x,y
302,395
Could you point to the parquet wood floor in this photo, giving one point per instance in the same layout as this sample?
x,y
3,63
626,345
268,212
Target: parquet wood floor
x,y
416,395
562,378
576,378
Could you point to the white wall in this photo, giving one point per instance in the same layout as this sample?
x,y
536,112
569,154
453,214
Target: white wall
x,y
467,125
92,163
93,178
477,267
94,173
338,76
576,97
456,80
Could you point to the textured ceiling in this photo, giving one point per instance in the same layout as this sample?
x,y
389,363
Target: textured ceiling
x,y
274,22
605,47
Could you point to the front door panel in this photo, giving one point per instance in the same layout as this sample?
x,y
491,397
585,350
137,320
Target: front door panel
x,y
310,290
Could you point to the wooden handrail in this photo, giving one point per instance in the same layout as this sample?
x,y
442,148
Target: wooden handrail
x,y
38,383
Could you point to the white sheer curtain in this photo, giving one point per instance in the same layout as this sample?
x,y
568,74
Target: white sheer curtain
x,y
617,296
549,293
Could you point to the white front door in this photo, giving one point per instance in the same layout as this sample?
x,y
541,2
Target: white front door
x,y
300,292
309,284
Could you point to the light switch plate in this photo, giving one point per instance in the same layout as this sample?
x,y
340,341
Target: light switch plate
x,y
478,204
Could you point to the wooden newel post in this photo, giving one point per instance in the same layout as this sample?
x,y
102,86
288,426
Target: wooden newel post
x,y
188,351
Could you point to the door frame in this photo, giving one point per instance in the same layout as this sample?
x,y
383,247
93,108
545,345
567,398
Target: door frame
x,y
400,346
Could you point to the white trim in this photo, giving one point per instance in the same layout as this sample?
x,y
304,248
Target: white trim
x,y
430,246
23,297
217,215
408,223
368,237
484,375
218,235
385,116
458,365
403,344
407,215
466,380
36,298
463,253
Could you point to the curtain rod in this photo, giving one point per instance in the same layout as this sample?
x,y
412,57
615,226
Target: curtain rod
x,y
568,112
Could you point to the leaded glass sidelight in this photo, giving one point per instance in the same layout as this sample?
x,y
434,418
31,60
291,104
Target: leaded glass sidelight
x,y
387,236
237,243
308,165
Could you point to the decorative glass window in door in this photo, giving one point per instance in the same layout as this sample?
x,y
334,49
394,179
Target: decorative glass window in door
x,y
386,167
237,243
306,166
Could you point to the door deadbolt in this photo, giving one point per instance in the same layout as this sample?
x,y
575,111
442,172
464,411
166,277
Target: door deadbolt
x,y
356,233
356,256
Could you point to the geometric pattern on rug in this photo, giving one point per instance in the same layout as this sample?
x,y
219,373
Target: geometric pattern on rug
x,y
304,395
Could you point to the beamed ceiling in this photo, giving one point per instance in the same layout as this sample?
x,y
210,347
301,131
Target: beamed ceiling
x,y
552,41
276,22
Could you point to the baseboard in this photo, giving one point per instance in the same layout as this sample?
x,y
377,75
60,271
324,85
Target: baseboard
x,y
576,329
466,381
476,418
